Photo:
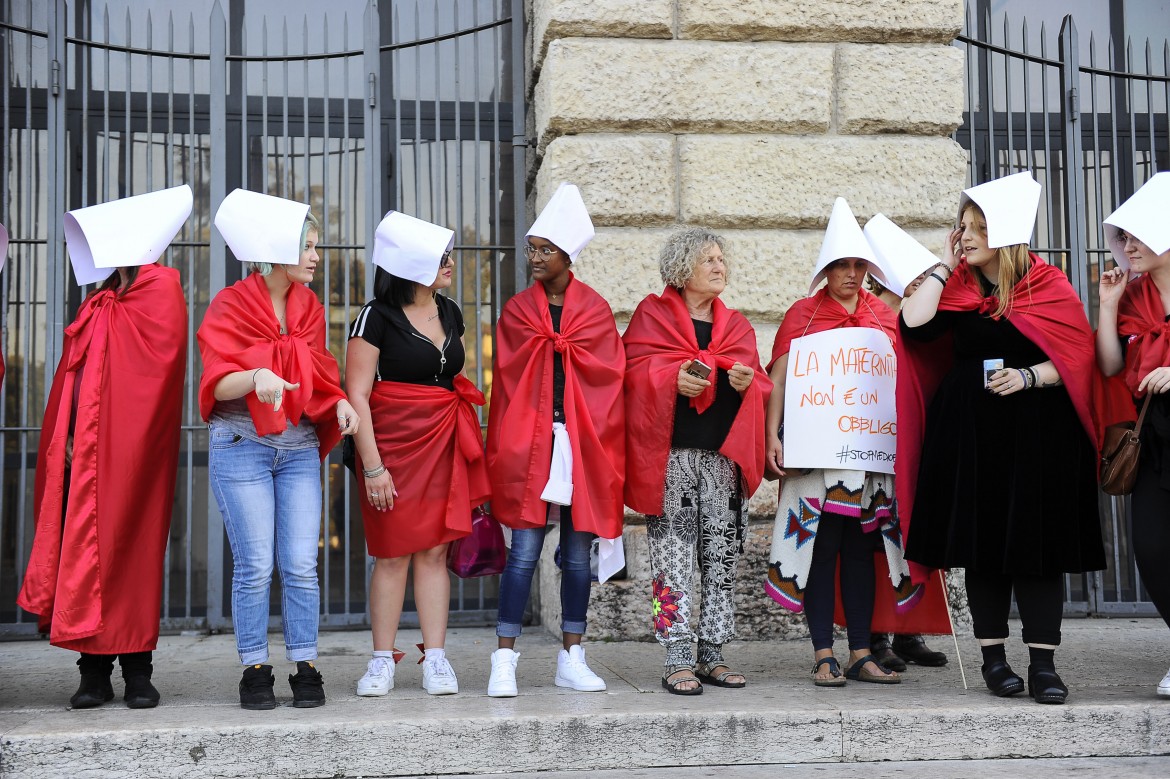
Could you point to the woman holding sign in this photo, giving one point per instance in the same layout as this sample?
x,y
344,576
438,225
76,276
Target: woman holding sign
x,y
997,452
824,514
695,397
1133,340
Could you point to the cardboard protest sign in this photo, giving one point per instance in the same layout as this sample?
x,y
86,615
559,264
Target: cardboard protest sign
x,y
839,409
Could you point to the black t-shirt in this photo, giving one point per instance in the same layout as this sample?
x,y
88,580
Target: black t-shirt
x,y
708,430
558,368
405,354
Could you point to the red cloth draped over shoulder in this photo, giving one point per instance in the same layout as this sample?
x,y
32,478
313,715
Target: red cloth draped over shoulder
x,y
821,312
1047,312
241,332
96,571
659,339
1142,320
430,442
519,438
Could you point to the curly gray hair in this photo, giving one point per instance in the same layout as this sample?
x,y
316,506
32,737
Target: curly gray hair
x,y
681,254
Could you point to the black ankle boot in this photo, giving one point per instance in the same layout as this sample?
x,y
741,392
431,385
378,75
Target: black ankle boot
x,y
256,688
136,672
879,647
95,688
998,675
913,649
308,687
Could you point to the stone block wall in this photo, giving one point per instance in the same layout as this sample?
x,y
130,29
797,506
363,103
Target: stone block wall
x,y
750,117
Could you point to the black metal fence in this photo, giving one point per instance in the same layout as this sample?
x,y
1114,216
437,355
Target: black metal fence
x,y
1089,119
356,108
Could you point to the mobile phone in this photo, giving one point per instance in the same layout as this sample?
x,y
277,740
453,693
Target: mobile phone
x,y
990,367
699,369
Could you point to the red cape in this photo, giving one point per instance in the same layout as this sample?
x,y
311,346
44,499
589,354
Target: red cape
x,y
241,332
1047,312
659,339
430,442
1141,319
821,312
519,437
96,572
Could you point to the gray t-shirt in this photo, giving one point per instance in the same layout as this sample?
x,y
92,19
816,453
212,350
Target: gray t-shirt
x,y
233,415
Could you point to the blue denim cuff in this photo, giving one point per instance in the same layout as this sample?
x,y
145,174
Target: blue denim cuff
x,y
573,627
507,629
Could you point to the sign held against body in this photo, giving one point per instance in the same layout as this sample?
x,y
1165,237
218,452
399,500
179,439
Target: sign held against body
x,y
839,409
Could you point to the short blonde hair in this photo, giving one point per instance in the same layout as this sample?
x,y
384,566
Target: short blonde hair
x,y
681,255
311,224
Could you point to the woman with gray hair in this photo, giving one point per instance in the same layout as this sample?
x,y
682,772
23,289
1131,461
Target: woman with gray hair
x,y
695,401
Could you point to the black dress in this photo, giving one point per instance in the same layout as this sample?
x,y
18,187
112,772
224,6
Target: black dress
x,y
1007,484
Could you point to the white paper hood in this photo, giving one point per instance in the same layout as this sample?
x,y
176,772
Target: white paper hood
x,y
124,233
843,238
1145,216
901,257
565,221
411,248
1009,205
262,228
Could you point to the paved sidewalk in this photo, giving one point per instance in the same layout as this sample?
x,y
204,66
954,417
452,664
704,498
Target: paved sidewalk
x,y
1111,667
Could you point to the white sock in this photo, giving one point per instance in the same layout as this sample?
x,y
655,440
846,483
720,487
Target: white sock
x,y
386,653
435,654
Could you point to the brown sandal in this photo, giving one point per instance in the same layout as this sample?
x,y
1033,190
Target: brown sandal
x,y
837,678
705,672
673,687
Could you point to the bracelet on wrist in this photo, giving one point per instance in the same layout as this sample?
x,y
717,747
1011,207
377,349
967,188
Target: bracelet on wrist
x,y
374,473
941,280
254,375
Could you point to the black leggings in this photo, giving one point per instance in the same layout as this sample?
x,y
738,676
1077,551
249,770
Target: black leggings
x,y
1040,600
840,536
1150,530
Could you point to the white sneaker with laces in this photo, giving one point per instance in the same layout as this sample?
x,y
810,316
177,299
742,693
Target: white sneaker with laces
x,y
573,672
379,678
439,677
1164,685
502,683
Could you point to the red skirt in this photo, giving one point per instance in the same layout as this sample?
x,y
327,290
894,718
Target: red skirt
x,y
430,441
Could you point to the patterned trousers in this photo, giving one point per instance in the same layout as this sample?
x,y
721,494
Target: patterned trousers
x,y
704,516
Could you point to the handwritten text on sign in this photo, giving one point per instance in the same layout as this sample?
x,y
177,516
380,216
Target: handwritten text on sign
x,y
839,409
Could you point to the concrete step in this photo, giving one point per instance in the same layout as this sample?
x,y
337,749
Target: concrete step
x,y
780,718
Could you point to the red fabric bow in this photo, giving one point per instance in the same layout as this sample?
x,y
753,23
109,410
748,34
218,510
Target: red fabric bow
x,y
1142,319
821,312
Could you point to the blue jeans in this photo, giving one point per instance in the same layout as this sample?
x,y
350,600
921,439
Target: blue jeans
x,y
271,501
516,581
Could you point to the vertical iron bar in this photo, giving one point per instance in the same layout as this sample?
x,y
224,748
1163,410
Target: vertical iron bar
x,y
1074,185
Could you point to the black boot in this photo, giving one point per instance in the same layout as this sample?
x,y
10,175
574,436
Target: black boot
x,y
1044,683
95,688
879,647
913,649
998,675
256,688
136,672
308,688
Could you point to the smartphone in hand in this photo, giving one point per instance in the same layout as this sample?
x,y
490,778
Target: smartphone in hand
x,y
699,369
990,368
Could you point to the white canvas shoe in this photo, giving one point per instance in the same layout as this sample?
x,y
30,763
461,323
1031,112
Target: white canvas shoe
x,y
1164,685
379,678
573,672
502,683
439,677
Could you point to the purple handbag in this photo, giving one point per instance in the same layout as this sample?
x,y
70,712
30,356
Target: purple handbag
x,y
481,553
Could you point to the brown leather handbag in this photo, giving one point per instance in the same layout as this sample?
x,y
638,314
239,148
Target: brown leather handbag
x,y
1119,455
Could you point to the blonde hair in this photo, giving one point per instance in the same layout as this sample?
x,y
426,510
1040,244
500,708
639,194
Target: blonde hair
x,y
1013,264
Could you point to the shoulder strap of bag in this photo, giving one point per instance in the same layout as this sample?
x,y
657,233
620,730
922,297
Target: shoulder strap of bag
x,y
1142,416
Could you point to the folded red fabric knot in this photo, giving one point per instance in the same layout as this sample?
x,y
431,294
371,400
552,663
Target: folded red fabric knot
x,y
988,305
560,343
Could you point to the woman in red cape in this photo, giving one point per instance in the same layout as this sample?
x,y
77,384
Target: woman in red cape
x,y
271,394
997,465
105,481
557,374
1133,340
420,458
695,395
824,516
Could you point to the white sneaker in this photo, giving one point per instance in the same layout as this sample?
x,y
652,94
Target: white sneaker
x,y
573,672
439,677
1164,685
379,678
502,683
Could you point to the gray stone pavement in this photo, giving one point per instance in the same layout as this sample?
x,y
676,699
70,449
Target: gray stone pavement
x,y
1111,667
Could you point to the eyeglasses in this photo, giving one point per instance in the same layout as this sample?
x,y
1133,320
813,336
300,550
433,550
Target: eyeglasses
x,y
544,251
446,260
